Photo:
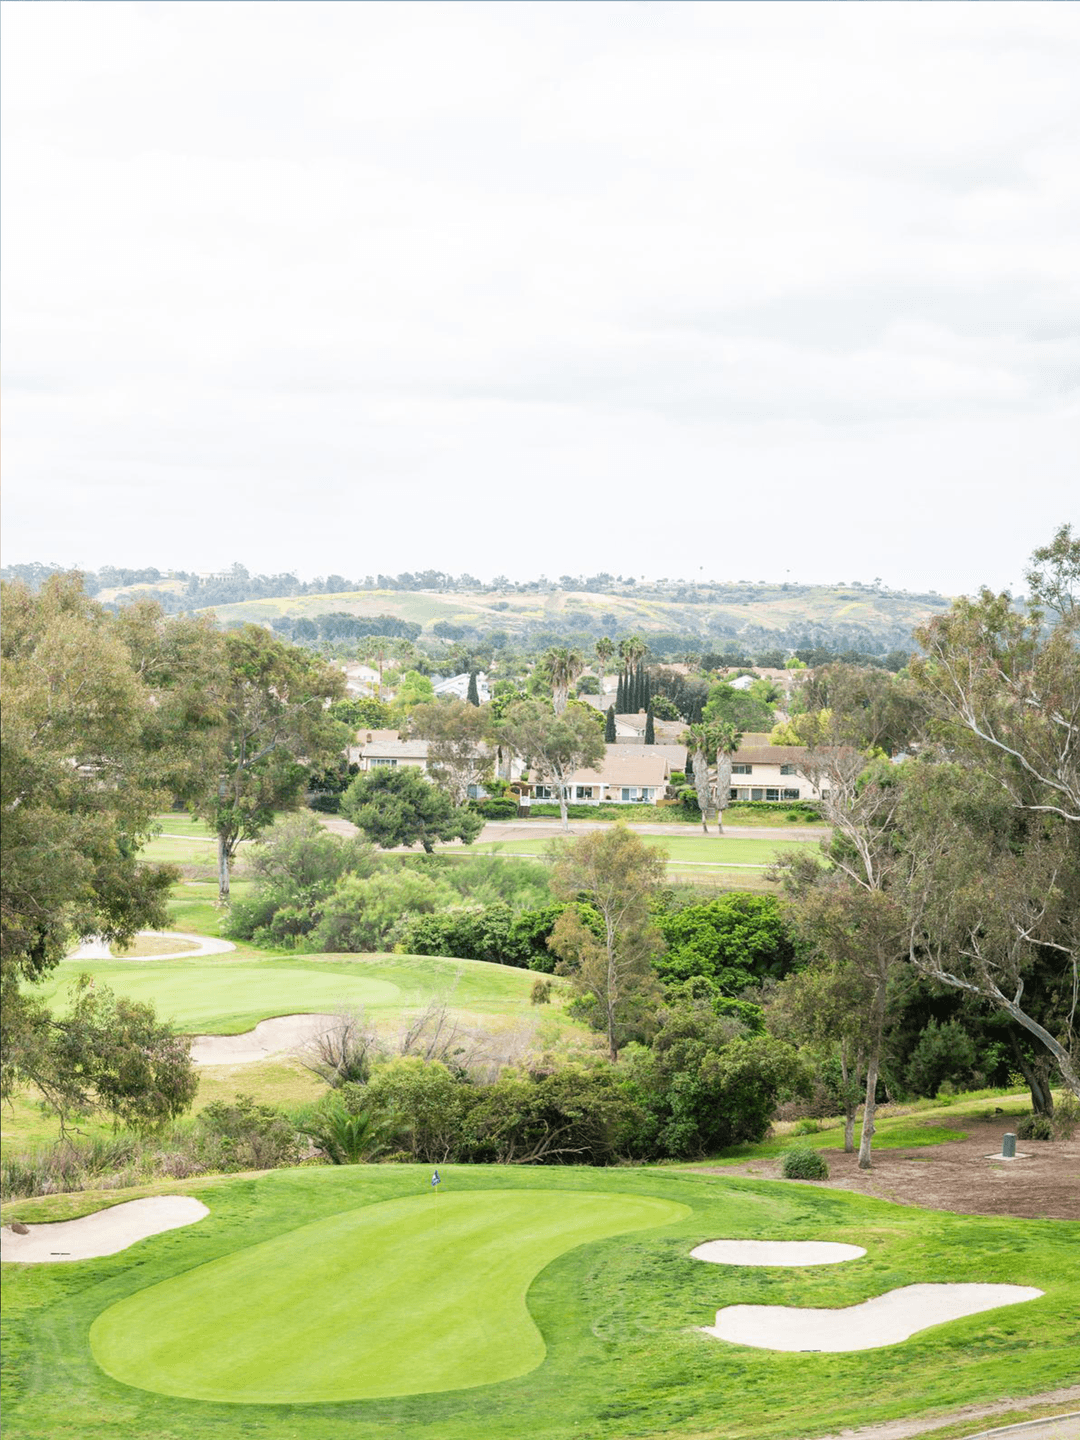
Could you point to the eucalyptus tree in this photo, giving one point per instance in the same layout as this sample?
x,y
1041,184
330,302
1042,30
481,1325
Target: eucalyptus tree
x,y
553,746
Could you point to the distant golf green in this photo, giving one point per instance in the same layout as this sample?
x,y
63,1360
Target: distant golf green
x,y
225,995
400,1298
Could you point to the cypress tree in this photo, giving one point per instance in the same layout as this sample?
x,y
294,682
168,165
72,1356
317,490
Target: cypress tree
x,y
639,689
650,727
609,726
473,695
620,694
648,696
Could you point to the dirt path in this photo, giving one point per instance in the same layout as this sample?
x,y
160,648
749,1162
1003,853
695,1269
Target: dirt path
x,y
541,830
968,1176
1063,1427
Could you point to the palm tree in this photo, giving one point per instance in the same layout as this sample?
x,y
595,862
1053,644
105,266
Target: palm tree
x,y
562,666
632,651
727,740
698,740
604,648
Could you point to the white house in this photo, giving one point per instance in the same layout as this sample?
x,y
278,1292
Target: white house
x,y
457,686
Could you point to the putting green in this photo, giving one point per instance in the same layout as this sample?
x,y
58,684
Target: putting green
x,y
404,1297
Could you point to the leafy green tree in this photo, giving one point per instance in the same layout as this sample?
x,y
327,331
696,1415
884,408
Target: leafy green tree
x,y
458,735
87,752
573,1116
396,806
616,874
738,940
413,689
554,745
105,1053
737,708
363,714
430,1103
268,723
994,904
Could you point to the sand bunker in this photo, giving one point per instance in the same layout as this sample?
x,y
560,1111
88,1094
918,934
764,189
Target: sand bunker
x,y
104,1233
885,1320
96,949
283,1035
775,1252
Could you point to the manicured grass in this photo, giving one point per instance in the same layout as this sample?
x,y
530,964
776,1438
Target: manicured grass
x,y
224,995
716,850
435,1301
618,1317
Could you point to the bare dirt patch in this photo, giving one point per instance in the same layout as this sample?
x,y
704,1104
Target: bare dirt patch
x,y
965,1176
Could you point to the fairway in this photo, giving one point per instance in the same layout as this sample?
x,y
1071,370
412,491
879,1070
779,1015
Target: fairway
x,y
400,1298
720,850
226,995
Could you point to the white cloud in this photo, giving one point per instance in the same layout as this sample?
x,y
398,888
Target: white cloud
x,y
301,283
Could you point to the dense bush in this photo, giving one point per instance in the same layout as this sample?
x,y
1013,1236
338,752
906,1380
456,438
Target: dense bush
x,y
802,1163
491,932
737,941
571,1117
243,1135
943,1053
373,913
496,807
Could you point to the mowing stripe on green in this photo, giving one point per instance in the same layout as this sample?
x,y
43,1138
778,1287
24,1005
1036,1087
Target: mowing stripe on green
x,y
404,1297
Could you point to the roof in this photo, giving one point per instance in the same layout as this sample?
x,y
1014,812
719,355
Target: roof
x,y
770,755
620,768
675,755
396,749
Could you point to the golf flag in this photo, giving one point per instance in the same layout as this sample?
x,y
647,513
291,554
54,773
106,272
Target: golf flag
x,y
435,1180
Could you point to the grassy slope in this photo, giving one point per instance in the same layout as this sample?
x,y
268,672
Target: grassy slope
x,y
618,1316
771,608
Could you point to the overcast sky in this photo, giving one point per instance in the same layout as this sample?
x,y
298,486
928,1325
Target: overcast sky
x,y
756,291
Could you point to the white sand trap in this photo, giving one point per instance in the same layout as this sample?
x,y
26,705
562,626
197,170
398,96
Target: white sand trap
x,y
104,1233
775,1252
884,1320
97,949
283,1035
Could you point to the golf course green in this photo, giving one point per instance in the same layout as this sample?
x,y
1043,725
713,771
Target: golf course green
x,y
226,994
399,1298
338,1303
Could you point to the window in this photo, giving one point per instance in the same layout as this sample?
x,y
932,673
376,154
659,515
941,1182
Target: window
x,y
789,794
544,792
742,769
757,794
788,770
626,793
382,760
584,792
772,794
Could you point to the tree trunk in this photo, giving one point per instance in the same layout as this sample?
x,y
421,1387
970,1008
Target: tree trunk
x,y
723,785
877,1025
869,1108
562,806
1042,1099
850,1103
223,870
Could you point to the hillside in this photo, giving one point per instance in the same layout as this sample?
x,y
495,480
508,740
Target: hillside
x,y
761,614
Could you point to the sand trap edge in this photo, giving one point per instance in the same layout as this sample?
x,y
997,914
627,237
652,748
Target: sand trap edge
x,y
105,1232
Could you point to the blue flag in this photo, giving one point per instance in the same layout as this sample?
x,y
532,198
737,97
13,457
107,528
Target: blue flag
x,y
435,1180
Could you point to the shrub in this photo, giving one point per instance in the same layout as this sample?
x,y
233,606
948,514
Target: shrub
x,y
243,1135
1066,1117
492,807
944,1053
802,1163
806,1126
1035,1127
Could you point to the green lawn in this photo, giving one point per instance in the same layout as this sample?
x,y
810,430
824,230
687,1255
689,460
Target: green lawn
x,y
553,1303
224,995
437,1300
714,850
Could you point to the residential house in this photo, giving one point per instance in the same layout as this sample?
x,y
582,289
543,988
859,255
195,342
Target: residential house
x,y
637,775
457,687
760,771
